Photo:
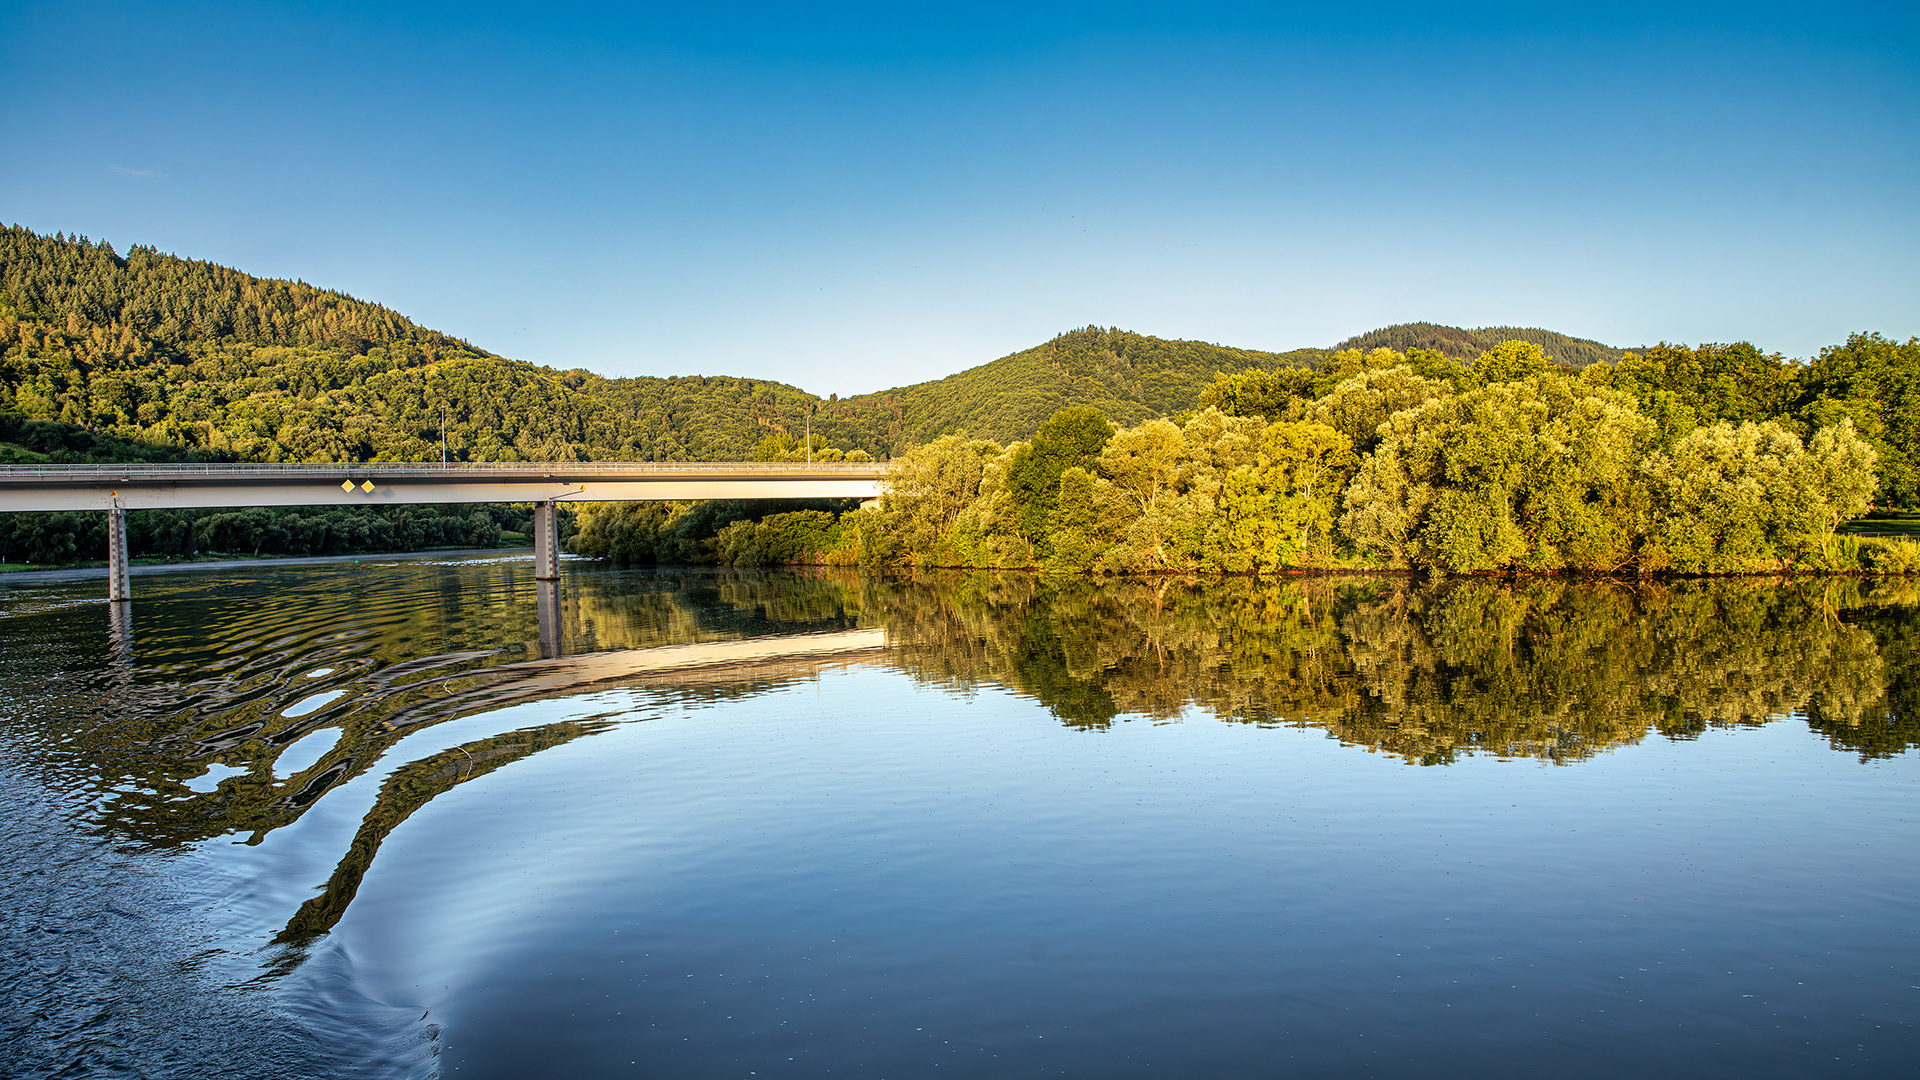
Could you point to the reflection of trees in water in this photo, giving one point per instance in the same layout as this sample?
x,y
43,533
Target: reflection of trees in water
x,y
1885,719
641,610
1558,671
1553,669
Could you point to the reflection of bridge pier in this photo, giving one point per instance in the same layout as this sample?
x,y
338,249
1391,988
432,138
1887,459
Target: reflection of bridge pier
x,y
120,638
546,599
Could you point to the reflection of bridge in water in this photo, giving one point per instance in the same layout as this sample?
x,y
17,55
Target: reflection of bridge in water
x,y
115,489
754,660
765,658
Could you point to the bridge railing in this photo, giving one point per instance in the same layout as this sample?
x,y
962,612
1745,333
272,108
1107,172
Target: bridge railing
x,y
434,468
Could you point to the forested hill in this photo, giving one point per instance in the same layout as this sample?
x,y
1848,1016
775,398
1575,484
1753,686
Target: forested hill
x,y
1129,377
154,356
163,300
1466,344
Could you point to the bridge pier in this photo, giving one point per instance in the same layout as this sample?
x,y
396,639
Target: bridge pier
x,y
546,542
119,580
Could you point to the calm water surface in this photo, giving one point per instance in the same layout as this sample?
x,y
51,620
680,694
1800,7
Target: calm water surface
x,y
357,819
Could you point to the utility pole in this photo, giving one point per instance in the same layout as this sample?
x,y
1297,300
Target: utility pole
x,y
443,433
809,433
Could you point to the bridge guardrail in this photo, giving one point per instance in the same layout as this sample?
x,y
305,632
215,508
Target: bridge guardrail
x,y
243,470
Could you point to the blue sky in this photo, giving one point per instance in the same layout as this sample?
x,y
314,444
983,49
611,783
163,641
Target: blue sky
x,y
849,197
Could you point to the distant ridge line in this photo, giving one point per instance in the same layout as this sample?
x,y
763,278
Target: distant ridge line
x,y
1464,344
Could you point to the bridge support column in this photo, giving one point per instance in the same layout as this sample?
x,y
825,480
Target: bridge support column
x,y
546,542
546,597
119,581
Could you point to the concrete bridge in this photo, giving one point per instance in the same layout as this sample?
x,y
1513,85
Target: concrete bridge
x,y
115,489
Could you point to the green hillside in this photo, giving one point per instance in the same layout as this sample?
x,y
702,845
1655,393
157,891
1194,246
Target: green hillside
x,y
1467,344
192,359
1129,377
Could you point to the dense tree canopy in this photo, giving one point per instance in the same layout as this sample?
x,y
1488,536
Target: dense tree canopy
x,y
1539,473
1071,438
1512,463
1875,383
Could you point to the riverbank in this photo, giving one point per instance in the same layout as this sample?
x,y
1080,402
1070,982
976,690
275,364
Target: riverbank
x,y
15,573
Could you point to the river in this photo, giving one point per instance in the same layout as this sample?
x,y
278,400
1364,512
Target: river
x,y
355,819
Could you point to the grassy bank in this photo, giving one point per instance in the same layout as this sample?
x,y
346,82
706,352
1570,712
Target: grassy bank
x,y
1884,523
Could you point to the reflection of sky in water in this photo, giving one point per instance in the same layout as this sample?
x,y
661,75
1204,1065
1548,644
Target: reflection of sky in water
x,y
968,855
210,780
864,862
304,753
310,703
